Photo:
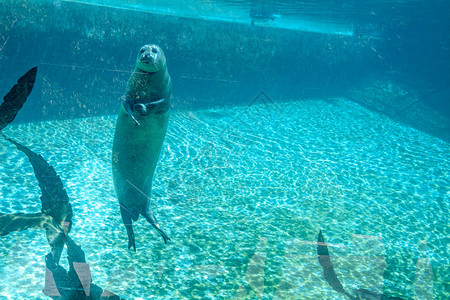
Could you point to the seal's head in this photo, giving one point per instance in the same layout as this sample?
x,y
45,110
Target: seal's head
x,y
151,58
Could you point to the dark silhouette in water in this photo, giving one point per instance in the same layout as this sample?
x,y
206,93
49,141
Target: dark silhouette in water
x,y
56,209
333,281
327,266
54,198
55,202
15,99
22,221
260,12
76,283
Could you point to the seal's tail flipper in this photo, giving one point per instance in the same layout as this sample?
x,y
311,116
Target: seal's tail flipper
x,y
15,99
148,214
128,222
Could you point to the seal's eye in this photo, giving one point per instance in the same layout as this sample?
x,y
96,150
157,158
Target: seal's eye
x,y
154,50
142,50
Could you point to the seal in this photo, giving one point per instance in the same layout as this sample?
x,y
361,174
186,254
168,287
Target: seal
x,y
140,130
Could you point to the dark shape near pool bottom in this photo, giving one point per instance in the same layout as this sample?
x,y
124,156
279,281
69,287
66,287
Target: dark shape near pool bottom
x,y
15,99
22,221
327,266
54,198
75,283
59,284
55,202
56,209
332,279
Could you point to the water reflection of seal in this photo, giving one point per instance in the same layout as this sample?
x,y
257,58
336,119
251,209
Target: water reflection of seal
x,y
139,135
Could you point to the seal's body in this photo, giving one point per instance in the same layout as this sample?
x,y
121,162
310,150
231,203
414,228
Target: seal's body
x,y
140,130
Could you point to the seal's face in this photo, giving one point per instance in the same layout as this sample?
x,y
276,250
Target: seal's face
x,y
151,58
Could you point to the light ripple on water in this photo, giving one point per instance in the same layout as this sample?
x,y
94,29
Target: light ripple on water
x,y
235,184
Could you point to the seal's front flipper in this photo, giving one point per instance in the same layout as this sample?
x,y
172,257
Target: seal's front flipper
x,y
15,99
127,104
128,222
148,214
158,107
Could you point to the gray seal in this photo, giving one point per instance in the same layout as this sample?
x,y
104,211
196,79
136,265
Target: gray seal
x,y
140,130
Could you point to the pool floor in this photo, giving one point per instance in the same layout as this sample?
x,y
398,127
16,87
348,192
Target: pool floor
x,y
243,192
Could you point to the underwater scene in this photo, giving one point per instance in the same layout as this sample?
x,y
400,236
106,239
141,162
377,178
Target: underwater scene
x,y
224,149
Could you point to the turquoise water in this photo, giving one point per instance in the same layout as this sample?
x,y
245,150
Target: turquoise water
x,y
293,16
242,192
